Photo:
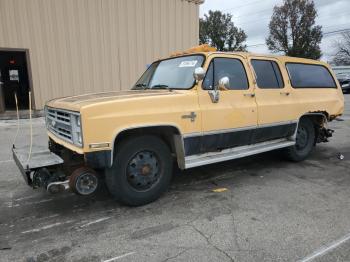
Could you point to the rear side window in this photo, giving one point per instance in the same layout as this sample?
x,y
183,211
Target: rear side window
x,y
226,67
268,74
310,76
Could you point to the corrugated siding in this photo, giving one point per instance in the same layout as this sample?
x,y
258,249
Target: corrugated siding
x,y
82,46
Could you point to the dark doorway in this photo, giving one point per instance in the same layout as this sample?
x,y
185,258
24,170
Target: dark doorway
x,y
13,79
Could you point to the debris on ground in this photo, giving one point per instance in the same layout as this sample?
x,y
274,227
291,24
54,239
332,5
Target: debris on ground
x,y
220,190
341,156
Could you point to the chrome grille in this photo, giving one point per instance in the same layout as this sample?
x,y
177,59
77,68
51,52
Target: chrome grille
x,y
59,123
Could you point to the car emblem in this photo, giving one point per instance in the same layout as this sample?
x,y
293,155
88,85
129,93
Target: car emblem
x,y
53,123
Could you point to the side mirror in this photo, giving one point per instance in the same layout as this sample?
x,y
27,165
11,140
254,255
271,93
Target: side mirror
x,y
224,83
199,74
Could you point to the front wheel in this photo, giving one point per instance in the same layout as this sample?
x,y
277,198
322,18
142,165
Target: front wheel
x,y
305,141
141,170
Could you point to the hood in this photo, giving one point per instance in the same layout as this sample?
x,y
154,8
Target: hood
x,y
76,102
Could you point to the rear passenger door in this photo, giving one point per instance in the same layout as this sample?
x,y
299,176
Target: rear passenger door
x,y
275,100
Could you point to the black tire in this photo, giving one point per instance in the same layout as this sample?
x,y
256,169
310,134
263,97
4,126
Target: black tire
x,y
305,141
153,171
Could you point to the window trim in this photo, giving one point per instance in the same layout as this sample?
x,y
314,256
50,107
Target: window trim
x,y
174,57
233,58
310,87
279,68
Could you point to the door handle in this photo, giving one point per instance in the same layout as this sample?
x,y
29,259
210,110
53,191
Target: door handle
x,y
285,93
250,95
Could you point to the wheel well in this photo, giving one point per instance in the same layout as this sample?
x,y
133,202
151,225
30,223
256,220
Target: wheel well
x,y
166,133
318,118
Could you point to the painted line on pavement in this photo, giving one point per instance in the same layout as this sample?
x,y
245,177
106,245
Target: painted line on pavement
x,y
6,161
95,221
46,227
119,257
325,249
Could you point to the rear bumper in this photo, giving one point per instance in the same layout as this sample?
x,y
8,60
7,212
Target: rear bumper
x,y
39,159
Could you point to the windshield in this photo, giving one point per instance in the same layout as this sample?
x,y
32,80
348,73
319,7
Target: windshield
x,y
174,73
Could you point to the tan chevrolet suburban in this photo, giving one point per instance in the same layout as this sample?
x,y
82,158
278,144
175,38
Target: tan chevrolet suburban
x,y
194,108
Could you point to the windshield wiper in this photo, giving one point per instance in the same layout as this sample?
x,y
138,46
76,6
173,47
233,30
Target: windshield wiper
x,y
161,86
144,86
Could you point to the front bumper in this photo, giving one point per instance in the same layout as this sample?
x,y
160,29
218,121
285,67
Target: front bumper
x,y
40,158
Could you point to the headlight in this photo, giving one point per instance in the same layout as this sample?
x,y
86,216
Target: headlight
x,y
76,130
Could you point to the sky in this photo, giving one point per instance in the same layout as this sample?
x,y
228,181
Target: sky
x,y
253,17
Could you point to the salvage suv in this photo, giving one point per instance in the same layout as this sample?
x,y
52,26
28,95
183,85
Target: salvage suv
x,y
194,108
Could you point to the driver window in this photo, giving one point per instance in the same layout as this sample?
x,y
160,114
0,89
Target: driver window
x,y
208,80
226,67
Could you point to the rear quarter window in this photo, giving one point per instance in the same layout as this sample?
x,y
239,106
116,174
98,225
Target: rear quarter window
x,y
310,76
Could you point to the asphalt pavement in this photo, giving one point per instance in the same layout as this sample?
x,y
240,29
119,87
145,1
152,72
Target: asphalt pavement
x,y
268,210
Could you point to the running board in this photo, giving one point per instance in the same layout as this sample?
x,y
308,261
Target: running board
x,y
237,152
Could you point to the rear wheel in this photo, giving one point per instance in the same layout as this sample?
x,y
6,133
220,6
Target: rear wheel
x,y
305,141
141,170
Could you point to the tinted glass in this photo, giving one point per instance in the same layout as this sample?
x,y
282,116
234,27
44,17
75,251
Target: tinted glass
x,y
226,67
268,74
174,73
310,76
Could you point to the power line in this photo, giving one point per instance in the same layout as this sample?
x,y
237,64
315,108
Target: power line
x,y
325,34
240,6
267,16
252,13
337,31
256,45
321,18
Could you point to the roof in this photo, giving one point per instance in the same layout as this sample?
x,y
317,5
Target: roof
x,y
208,50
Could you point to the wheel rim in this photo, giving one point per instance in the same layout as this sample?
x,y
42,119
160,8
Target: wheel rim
x,y
143,170
86,184
302,138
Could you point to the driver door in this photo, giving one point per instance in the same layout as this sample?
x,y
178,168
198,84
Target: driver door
x,y
231,121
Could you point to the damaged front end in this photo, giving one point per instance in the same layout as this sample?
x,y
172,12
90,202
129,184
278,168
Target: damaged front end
x,y
56,169
41,169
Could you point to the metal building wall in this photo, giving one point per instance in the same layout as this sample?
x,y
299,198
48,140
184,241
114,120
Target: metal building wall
x,y
84,46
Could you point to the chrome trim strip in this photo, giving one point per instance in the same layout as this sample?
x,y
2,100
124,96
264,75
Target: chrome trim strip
x,y
279,123
64,110
223,131
236,152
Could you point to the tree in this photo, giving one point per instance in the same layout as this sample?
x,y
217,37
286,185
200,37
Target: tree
x,y
342,56
293,30
218,30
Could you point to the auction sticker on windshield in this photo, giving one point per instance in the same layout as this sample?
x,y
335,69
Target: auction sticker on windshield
x,y
191,63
